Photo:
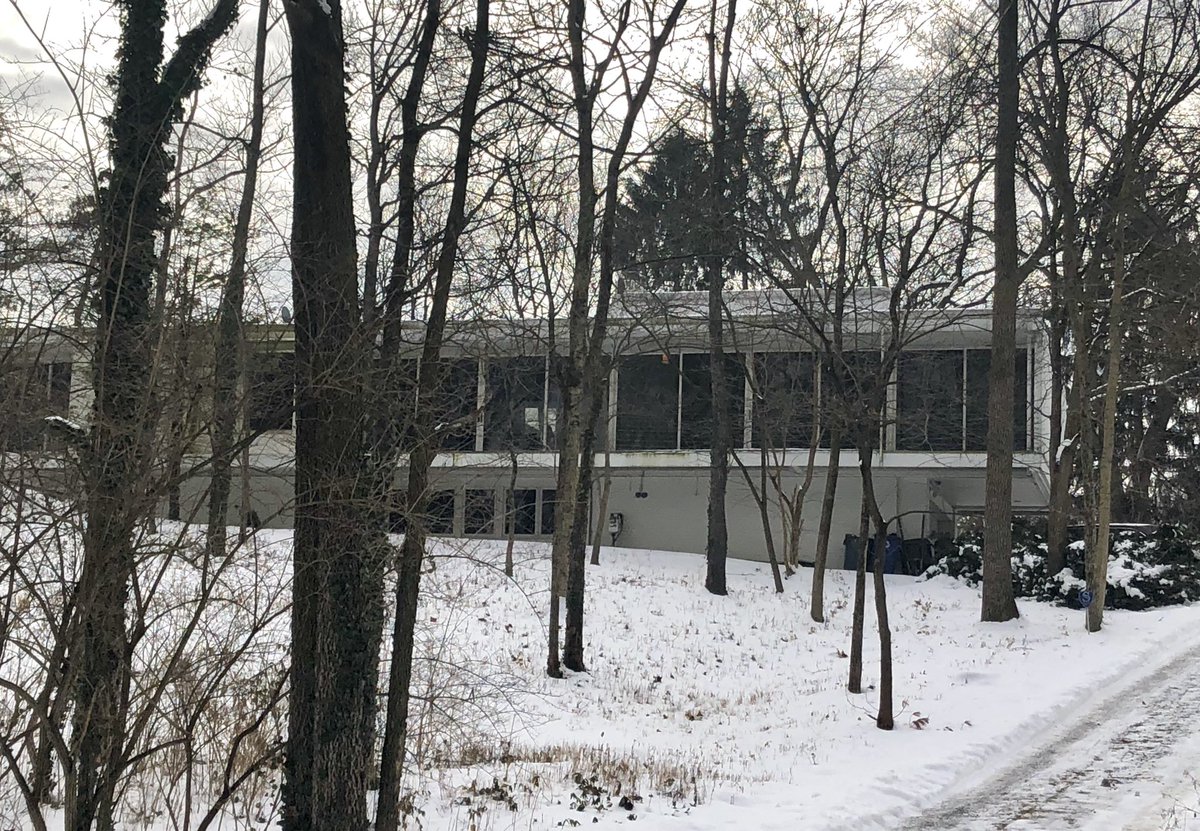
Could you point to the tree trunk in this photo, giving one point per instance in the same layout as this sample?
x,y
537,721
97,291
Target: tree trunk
x,y
1097,555
227,363
761,498
1151,449
337,603
854,684
584,368
602,513
759,492
512,515
821,556
572,656
884,719
571,369
420,460
1064,450
998,602
147,99
716,548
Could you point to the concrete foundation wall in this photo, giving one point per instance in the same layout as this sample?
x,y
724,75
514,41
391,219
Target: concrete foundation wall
x,y
667,509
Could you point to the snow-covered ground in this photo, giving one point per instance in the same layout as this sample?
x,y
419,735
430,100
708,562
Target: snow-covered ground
x,y
700,712
726,712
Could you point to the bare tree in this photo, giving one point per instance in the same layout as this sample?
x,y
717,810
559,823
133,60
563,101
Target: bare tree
x,y
717,545
580,372
228,363
420,460
821,82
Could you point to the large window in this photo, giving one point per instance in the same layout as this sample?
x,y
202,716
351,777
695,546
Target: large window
x,y
929,401
555,408
786,386
28,394
272,392
652,416
979,363
942,400
515,413
520,514
849,384
457,404
696,406
647,402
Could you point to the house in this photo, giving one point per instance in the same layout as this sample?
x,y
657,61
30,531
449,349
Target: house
x,y
499,408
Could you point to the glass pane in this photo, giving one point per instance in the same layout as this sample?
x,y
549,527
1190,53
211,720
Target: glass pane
x,y
521,512
479,512
696,412
929,401
847,385
647,402
457,402
979,362
515,408
439,516
406,406
272,391
554,415
787,384
548,500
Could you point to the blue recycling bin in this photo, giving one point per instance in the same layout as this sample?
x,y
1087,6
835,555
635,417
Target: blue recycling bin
x,y
893,548
892,553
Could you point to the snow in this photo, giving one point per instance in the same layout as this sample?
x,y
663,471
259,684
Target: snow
x,y
710,712
747,695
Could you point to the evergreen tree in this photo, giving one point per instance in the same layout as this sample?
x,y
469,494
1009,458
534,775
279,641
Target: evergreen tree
x,y
664,227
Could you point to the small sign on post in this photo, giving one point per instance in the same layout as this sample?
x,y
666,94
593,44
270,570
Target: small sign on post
x,y
1085,598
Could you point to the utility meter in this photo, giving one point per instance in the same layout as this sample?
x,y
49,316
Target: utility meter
x,y
616,522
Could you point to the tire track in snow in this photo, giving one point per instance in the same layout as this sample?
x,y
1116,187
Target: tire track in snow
x,y
1106,755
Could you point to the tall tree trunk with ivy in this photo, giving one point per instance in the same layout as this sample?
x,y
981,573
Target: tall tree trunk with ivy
x,y
148,91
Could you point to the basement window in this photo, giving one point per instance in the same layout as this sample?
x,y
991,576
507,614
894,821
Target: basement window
x,y
439,515
479,512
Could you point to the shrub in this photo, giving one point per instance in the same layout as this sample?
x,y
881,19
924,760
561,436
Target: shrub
x,y
1143,573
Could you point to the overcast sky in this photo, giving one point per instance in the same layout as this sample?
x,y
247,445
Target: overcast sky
x,y
83,30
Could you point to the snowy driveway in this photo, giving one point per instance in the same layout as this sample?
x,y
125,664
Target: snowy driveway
x,y
1124,762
